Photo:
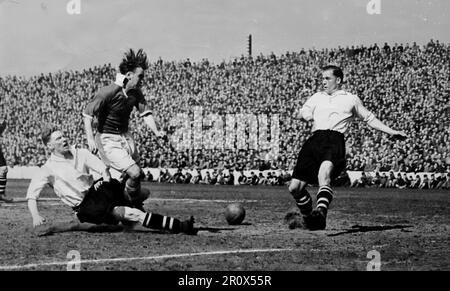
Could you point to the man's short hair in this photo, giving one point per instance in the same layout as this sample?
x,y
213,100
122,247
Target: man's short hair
x,y
337,72
46,133
132,60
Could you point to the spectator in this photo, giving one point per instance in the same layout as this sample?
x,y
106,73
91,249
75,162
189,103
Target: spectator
x,y
148,176
164,176
400,182
433,183
195,176
262,180
416,182
254,180
178,177
376,181
206,179
391,180
383,181
363,181
425,183
242,180
187,178
445,182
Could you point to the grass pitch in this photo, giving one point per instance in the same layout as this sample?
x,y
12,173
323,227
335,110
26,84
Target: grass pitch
x,y
409,229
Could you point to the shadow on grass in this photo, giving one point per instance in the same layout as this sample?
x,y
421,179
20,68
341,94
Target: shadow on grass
x,y
362,228
219,229
106,228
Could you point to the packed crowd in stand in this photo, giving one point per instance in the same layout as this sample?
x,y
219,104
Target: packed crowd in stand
x,y
405,85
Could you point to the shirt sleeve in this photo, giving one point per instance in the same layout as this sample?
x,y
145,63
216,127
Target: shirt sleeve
x,y
308,107
141,104
94,106
362,111
92,162
38,183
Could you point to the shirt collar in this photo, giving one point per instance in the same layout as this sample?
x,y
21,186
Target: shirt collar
x,y
119,79
336,93
119,82
55,158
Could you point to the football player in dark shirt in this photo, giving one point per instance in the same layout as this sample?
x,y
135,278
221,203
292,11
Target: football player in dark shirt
x,y
111,107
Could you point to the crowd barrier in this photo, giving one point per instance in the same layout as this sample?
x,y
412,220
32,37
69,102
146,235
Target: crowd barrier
x,y
355,175
28,172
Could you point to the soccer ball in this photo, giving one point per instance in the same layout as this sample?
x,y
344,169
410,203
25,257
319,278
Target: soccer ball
x,y
235,213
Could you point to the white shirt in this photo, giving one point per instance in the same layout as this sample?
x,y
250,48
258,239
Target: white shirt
x,y
70,178
335,111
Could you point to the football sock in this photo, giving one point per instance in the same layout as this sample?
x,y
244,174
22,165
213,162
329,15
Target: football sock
x,y
157,221
304,203
324,197
2,185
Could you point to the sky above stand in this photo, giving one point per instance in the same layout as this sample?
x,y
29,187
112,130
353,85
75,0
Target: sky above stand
x,y
40,36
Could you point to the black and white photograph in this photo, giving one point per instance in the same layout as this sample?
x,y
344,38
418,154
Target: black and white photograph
x,y
236,138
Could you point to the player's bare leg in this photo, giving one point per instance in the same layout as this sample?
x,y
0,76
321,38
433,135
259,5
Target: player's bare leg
x,y
133,187
154,220
297,188
123,214
324,195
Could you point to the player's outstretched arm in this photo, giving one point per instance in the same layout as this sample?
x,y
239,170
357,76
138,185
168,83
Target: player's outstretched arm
x,y
37,218
150,121
146,113
378,125
374,122
34,190
89,133
77,226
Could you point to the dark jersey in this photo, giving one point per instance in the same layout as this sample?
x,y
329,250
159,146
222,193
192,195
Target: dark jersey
x,y
113,108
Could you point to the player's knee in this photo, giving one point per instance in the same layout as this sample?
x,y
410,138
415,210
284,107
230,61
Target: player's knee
x,y
294,186
124,213
134,172
119,213
324,175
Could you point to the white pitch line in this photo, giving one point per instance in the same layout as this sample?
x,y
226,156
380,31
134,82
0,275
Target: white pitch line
x,y
161,257
16,200
21,205
200,200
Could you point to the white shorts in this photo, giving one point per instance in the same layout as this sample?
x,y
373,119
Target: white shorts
x,y
117,151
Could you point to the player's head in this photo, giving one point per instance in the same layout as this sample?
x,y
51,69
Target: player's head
x,y
332,78
55,140
133,66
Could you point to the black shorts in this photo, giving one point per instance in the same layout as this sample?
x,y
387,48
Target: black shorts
x,y
323,145
97,205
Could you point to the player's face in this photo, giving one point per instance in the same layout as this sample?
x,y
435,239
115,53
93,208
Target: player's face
x,y
58,143
135,79
329,81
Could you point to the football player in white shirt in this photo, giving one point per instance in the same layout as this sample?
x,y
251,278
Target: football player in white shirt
x,y
322,157
3,169
69,171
